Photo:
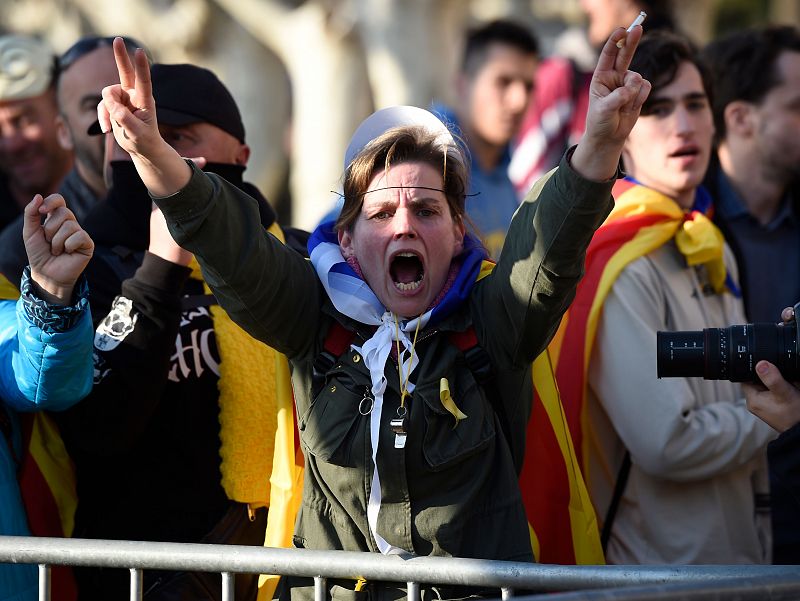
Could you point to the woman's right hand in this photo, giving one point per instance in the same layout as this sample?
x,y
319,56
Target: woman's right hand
x,y
128,109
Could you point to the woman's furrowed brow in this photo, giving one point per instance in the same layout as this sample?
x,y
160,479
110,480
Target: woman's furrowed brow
x,y
403,188
425,202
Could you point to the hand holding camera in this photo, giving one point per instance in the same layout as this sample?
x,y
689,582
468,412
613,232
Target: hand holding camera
x,y
777,402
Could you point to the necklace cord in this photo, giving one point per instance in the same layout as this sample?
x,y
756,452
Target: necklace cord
x,y
400,362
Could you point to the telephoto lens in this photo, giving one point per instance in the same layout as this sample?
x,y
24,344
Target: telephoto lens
x,y
730,353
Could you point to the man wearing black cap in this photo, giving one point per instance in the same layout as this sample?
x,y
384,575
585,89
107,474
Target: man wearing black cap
x,y
175,441
200,124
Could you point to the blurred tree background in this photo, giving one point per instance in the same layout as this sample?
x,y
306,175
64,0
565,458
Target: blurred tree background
x,y
306,72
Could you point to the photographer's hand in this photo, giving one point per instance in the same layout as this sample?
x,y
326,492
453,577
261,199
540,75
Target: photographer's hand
x,y
777,402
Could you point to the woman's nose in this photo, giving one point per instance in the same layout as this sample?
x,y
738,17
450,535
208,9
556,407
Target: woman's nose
x,y
403,224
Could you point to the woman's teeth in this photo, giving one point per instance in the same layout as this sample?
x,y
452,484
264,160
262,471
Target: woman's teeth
x,y
407,272
408,286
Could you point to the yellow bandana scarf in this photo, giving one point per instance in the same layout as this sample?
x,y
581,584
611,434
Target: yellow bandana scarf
x,y
642,221
696,236
247,404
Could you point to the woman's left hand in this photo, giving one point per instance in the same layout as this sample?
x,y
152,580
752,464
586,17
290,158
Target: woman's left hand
x,y
616,96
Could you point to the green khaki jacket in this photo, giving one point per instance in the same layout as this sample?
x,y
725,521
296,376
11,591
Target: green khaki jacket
x,y
452,491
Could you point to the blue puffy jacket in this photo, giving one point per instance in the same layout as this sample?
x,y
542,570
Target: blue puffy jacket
x,y
45,363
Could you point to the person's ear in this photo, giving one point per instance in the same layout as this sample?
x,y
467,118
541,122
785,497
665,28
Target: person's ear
x,y
243,155
739,118
460,231
346,243
63,134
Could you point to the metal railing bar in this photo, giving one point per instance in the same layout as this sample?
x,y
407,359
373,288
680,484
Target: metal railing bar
x,y
371,566
137,584
764,588
44,582
412,591
320,586
228,582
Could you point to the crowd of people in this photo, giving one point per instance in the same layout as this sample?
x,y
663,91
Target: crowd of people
x,y
154,312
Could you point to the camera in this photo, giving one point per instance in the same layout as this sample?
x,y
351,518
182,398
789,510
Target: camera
x,y
730,353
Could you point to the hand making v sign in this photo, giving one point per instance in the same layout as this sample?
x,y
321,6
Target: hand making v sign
x,y
129,110
616,96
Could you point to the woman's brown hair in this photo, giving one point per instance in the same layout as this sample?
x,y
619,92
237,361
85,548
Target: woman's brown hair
x,y
404,145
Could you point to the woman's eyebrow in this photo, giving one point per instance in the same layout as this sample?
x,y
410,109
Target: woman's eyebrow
x,y
416,203
425,202
380,204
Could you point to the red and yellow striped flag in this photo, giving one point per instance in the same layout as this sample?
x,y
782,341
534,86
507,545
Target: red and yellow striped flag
x,y
641,221
563,526
552,482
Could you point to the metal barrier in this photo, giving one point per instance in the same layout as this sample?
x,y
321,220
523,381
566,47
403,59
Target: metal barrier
x,y
762,588
506,577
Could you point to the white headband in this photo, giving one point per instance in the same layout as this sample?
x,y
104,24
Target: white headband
x,y
395,116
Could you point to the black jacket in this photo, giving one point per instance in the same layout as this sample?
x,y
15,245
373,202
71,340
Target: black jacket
x,y
711,183
145,442
783,453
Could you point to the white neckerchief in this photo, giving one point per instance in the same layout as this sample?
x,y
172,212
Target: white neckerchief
x,y
353,297
376,352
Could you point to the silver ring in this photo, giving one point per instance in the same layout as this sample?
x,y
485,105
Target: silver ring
x,y
366,411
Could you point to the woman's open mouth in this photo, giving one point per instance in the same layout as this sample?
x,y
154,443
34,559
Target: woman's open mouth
x,y
407,271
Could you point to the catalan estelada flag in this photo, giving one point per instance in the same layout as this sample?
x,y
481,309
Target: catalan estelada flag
x,y
642,220
562,521
46,480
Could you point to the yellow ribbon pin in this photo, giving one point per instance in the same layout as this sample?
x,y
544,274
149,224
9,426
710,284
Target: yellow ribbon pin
x,y
448,402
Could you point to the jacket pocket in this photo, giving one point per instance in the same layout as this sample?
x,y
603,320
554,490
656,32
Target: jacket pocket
x,y
447,443
330,425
